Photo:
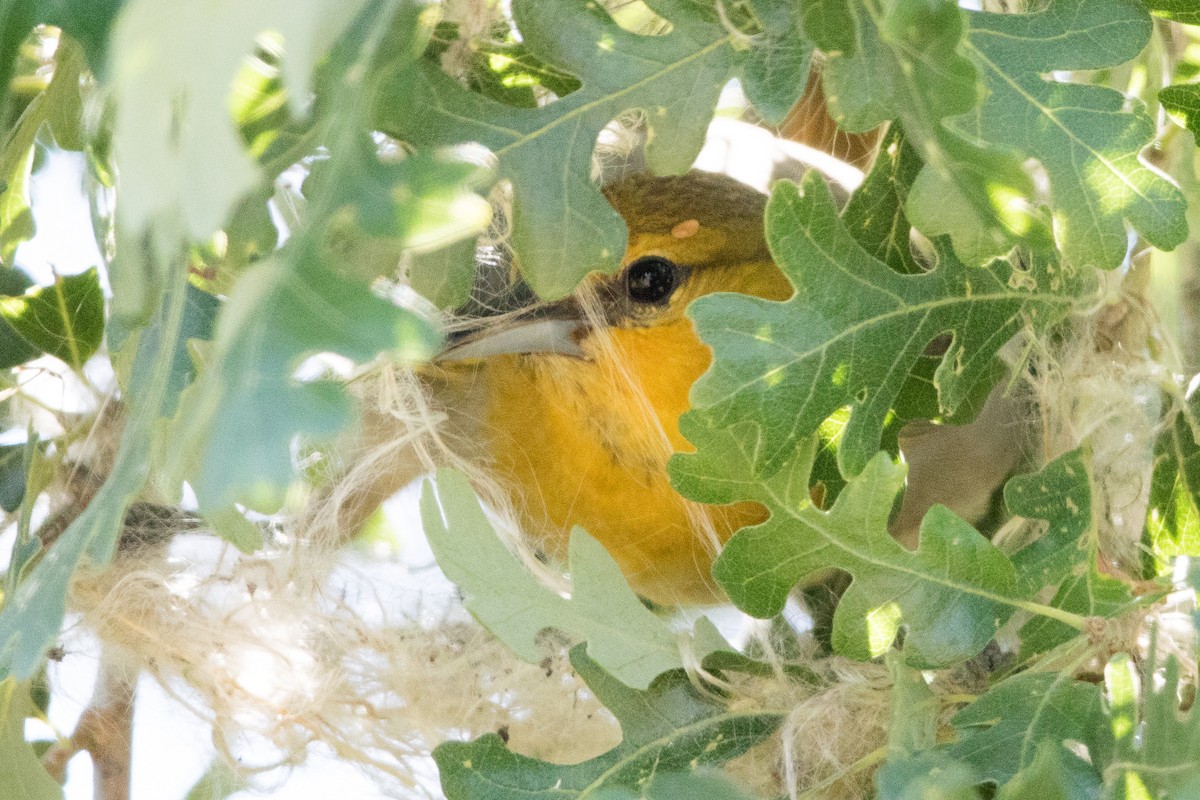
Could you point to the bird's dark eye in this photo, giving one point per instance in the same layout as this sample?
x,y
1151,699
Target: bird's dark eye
x,y
651,279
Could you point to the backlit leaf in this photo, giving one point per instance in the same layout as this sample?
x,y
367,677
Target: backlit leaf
x,y
1182,101
65,319
1084,137
911,51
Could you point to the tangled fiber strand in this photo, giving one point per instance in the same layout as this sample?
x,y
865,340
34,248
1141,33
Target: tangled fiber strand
x,y
277,659
1101,388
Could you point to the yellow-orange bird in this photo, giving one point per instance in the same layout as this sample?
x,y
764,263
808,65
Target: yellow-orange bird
x,y
573,406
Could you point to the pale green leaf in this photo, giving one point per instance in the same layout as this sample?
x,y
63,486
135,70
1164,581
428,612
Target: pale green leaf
x,y
854,330
913,725
951,594
705,784
926,777
1054,774
218,783
246,408
668,728
173,121
623,636
562,227
1084,137
232,526
65,319
21,771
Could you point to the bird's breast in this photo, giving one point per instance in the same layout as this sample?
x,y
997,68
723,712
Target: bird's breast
x,y
586,442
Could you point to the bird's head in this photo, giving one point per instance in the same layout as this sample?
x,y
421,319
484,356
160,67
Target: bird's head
x,y
689,235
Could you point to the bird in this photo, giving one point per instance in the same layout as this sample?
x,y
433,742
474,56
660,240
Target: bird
x,y
571,407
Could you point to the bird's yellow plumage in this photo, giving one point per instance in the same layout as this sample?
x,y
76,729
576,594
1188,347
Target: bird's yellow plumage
x,y
583,439
571,408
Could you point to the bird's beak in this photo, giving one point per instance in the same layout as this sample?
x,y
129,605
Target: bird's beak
x,y
544,328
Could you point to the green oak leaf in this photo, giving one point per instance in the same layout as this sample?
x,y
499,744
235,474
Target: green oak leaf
x,y
65,319
1090,594
706,784
1173,515
14,348
1186,11
913,722
1004,731
562,226
1066,555
667,728
875,216
1182,102
12,476
21,772
907,65
1061,494
1082,135
855,328
624,637
952,593
1156,746
776,69
926,776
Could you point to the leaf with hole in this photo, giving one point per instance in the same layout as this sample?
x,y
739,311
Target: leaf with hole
x,y
855,328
